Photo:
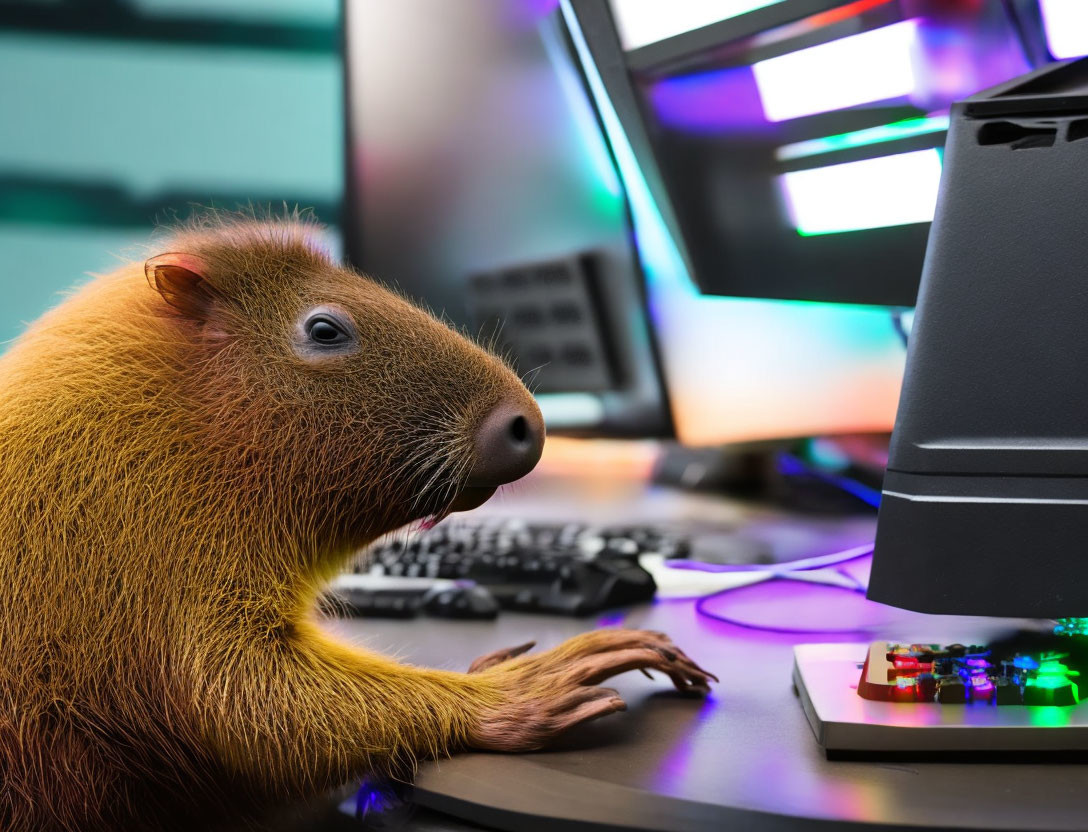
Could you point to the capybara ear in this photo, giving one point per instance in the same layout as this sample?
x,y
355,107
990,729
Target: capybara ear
x,y
182,280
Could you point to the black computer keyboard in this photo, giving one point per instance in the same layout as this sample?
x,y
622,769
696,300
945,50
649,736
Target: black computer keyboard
x,y
566,568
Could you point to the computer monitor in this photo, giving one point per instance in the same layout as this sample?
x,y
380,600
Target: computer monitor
x,y
479,182
798,146
788,150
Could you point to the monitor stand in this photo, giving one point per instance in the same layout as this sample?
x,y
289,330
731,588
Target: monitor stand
x,y
826,676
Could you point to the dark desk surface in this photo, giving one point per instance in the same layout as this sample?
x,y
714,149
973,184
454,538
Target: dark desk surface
x,y
746,756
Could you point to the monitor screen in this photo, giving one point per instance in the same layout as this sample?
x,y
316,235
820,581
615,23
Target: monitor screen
x,y
789,150
480,183
801,157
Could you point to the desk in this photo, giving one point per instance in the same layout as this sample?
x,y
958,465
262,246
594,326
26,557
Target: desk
x,y
745,758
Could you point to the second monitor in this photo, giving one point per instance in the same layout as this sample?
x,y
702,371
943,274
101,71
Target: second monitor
x,y
788,152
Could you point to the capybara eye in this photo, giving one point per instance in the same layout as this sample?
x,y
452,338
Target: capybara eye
x,y
326,331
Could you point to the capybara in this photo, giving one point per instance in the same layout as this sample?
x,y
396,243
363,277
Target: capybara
x,y
190,447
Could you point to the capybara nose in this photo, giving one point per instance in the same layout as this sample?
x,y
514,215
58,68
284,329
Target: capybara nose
x,y
508,443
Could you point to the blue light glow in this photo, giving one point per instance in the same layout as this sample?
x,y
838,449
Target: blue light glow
x,y
581,110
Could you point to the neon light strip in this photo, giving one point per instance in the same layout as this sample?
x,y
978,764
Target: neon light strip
x,y
820,20
872,193
832,16
1066,24
861,138
642,22
873,66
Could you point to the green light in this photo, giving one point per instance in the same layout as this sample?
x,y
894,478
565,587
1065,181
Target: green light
x,y
1052,674
1049,716
860,138
1071,627
801,233
1049,682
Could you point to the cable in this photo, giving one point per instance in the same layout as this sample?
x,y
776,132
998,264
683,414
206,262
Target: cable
x,y
803,569
776,569
701,609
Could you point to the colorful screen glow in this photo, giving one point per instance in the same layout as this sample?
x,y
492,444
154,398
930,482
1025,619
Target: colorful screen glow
x,y
1066,23
1071,627
829,76
741,369
642,22
709,102
907,128
872,193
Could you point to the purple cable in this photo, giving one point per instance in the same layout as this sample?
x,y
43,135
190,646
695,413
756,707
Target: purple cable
x,y
701,608
780,570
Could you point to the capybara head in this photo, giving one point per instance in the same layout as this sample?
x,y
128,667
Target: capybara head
x,y
357,409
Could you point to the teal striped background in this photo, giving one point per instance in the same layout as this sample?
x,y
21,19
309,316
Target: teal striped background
x,y
105,130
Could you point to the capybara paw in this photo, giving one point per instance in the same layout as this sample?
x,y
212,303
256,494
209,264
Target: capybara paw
x,y
499,656
598,655
551,692
526,725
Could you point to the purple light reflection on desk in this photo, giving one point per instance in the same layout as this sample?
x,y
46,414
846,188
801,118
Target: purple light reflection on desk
x,y
612,619
796,607
684,770
676,767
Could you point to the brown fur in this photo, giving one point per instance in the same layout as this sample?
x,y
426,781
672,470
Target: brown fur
x,y
175,490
